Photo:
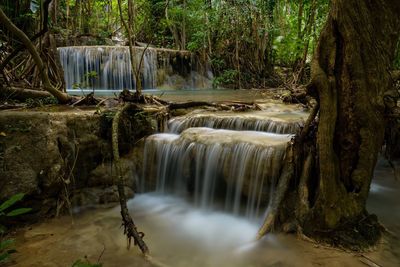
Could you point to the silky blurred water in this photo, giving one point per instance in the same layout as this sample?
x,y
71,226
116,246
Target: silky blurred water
x,y
182,235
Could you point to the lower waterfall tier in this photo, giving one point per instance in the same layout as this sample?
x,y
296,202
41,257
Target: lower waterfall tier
x,y
266,121
231,170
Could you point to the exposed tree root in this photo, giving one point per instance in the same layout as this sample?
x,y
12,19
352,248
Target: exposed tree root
x,y
62,98
303,190
22,94
130,229
288,172
279,195
297,95
307,126
43,30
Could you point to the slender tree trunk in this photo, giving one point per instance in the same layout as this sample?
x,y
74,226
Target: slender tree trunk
x,y
300,18
128,27
173,30
183,33
67,19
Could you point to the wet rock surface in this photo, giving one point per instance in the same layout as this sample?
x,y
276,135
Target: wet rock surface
x,y
56,154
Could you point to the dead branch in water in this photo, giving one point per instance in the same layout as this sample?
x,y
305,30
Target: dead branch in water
x,y
130,229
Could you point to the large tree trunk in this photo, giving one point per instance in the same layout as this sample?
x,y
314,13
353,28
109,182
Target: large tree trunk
x,y
350,73
350,77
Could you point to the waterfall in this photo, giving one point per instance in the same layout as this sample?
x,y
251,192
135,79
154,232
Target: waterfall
x,y
274,122
216,166
109,68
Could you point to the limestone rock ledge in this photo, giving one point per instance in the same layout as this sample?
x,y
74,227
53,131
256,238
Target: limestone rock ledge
x,y
63,157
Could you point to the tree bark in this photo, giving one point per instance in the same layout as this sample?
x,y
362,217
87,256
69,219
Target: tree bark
x,y
350,73
350,76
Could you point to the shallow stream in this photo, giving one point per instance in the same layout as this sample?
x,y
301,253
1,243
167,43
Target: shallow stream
x,y
180,233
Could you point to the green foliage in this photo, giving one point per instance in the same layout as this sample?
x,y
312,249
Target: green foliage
x,y
227,77
11,201
247,36
6,244
290,37
88,80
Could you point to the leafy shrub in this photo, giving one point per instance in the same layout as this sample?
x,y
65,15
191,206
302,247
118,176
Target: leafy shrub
x,y
228,77
6,244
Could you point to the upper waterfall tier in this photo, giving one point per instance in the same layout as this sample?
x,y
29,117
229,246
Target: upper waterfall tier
x,y
235,165
109,68
267,121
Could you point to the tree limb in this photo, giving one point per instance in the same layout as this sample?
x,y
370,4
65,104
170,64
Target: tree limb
x,y
44,29
61,97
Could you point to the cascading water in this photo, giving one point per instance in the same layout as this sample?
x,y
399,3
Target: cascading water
x,y
217,167
109,68
266,121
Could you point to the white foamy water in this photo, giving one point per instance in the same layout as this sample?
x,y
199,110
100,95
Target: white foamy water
x,y
182,217
109,68
266,121
235,169
180,234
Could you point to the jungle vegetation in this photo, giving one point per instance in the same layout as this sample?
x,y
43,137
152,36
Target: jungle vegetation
x,y
344,50
243,40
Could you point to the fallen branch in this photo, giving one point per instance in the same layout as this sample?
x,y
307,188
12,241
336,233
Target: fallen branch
x,y
279,194
130,229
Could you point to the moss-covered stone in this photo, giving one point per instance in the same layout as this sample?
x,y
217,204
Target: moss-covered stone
x,y
53,154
